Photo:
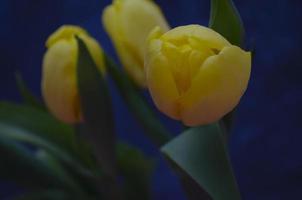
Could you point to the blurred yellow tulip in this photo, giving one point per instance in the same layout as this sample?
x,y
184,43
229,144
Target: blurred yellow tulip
x,y
194,74
59,85
128,23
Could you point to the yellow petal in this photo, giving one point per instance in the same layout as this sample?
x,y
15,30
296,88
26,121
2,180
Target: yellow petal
x,y
59,85
204,35
128,56
217,88
59,81
138,18
110,22
128,23
65,32
190,82
160,81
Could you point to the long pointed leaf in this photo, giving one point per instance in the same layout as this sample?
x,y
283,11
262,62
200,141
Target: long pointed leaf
x,y
96,108
225,20
20,165
58,168
21,135
98,119
136,171
201,153
38,122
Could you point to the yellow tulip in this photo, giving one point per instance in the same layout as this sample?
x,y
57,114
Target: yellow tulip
x,y
194,74
128,23
59,84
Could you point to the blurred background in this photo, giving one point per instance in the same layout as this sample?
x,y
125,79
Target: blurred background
x,y
265,146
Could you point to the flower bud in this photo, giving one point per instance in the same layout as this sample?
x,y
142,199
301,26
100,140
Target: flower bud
x,y
194,74
59,83
128,23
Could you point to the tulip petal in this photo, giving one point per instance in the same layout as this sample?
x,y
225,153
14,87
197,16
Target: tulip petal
x,y
65,32
128,23
217,88
131,61
161,82
204,35
138,19
59,81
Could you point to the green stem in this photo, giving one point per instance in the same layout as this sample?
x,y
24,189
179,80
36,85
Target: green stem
x,y
153,127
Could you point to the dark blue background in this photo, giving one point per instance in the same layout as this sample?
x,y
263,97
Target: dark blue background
x,y
266,142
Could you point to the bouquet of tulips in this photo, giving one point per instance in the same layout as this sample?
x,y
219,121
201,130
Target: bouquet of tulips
x,y
65,146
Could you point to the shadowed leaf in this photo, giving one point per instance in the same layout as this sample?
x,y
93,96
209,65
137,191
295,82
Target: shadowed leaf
x,y
96,109
226,20
201,153
136,171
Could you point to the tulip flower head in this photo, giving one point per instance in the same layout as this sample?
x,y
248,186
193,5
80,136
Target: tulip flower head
x,y
128,23
59,84
194,74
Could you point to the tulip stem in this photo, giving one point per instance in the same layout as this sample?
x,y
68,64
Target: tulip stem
x,y
226,123
143,113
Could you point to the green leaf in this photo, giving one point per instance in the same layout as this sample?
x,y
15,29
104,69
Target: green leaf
x,y
26,94
98,117
22,135
143,113
74,168
226,20
136,171
82,188
201,153
40,123
96,108
38,128
48,128
20,165
58,168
